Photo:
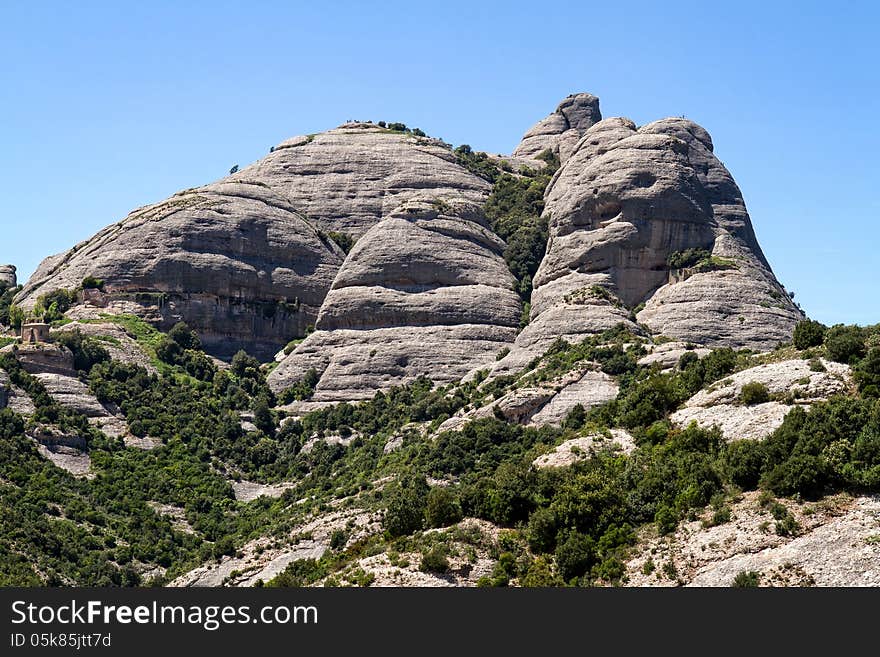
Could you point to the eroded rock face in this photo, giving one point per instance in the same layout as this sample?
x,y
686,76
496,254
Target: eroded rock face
x,y
232,259
247,261
4,389
349,178
8,277
424,292
562,130
624,202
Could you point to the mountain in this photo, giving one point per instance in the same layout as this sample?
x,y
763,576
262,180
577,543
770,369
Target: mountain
x,y
371,358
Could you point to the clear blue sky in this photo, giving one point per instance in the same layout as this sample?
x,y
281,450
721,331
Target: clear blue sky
x,y
107,106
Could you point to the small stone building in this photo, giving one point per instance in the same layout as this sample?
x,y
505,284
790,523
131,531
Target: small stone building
x,y
33,332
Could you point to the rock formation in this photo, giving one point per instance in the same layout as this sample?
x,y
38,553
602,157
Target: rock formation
x,y
349,178
647,229
562,130
424,292
627,211
7,276
247,261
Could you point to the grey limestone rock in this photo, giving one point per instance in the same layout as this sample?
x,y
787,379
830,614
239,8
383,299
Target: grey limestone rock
x,y
625,202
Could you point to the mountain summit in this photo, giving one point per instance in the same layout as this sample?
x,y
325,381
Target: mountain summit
x,y
640,225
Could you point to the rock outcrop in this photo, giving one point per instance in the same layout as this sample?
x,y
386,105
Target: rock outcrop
x,y
349,178
233,259
838,544
647,225
8,276
562,130
424,292
247,261
789,382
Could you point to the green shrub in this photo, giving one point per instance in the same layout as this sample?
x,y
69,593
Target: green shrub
x,y
245,366
845,344
867,374
87,352
753,393
743,461
406,506
542,531
343,240
747,579
686,258
441,508
92,283
809,333
338,539
575,556
435,560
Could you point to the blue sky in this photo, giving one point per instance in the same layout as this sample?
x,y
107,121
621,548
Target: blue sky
x,y
107,106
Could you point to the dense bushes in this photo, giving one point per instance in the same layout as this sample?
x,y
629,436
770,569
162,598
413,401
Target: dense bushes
x,y
514,211
808,333
845,344
9,314
833,445
753,393
182,347
87,351
687,258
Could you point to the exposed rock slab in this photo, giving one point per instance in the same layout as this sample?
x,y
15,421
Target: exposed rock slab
x,y
736,422
248,491
668,354
719,404
790,376
842,552
593,389
579,449
44,358
76,462
263,559
833,540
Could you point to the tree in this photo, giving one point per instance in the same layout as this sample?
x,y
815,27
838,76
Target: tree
x,y
442,508
575,555
406,506
245,366
809,333
185,336
845,344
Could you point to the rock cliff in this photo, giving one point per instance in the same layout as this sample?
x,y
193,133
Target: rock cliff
x,y
648,229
